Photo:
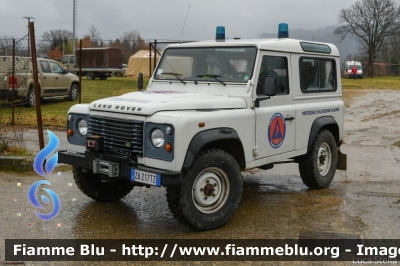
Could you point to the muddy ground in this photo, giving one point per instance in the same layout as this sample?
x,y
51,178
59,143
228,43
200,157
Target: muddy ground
x,y
363,201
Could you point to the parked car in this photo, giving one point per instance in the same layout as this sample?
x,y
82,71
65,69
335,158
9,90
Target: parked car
x,y
54,80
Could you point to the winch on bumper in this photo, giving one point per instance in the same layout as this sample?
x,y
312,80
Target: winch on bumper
x,y
113,166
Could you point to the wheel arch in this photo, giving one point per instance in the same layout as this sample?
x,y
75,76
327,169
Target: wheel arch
x,y
32,87
324,122
226,139
75,83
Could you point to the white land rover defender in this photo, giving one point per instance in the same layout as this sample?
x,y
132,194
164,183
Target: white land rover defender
x,y
211,110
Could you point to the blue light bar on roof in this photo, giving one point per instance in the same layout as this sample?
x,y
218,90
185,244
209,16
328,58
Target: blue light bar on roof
x,y
283,30
220,35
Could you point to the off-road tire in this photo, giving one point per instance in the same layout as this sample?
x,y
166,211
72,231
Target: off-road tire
x,y
188,202
94,187
73,93
30,100
318,167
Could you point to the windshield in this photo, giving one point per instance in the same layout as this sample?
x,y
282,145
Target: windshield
x,y
357,66
216,64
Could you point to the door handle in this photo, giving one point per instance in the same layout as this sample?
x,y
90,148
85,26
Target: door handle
x,y
289,118
44,77
56,77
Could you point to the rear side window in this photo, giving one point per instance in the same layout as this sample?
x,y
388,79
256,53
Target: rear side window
x,y
317,74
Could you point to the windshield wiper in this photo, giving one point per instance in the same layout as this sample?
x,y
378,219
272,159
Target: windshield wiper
x,y
176,75
216,77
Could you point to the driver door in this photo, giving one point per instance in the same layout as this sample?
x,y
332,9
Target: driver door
x,y
275,125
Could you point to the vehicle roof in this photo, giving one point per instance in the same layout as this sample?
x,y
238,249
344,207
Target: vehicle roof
x,y
277,44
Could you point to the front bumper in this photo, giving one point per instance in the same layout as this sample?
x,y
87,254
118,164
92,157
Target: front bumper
x,y
168,178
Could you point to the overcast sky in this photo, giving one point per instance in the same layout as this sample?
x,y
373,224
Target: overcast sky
x,y
164,20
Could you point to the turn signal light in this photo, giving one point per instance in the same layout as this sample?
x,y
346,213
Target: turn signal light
x,y
168,147
70,132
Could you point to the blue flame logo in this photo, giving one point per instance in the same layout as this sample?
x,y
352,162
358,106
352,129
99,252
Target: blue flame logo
x,y
32,198
51,163
44,153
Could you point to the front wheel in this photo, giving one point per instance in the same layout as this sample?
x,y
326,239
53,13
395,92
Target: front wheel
x,y
98,189
318,167
210,192
73,93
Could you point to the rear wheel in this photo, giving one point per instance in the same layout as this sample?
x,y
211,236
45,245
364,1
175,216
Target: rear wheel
x,y
318,167
30,100
98,189
210,192
90,76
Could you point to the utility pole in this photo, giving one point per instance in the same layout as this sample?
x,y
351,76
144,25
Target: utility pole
x,y
29,20
74,18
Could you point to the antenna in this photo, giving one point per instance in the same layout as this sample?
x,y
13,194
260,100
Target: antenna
x,y
184,24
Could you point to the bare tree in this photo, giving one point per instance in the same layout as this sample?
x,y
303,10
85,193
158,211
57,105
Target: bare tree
x,y
370,21
6,46
54,38
94,35
131,43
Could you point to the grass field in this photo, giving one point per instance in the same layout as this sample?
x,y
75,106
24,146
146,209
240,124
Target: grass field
x,y
387,83
54,111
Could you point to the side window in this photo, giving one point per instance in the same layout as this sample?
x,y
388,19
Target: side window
x,y
72,59
56,68
274,66
317,74
45,67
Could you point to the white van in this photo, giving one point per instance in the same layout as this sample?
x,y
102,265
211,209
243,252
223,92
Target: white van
x,y
349,65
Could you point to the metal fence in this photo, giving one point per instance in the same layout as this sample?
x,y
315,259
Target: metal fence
x,y
11,114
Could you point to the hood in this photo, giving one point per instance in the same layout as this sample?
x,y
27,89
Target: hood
x,y
150,102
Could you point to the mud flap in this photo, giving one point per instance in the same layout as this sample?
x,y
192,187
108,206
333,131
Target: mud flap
x,y
342,160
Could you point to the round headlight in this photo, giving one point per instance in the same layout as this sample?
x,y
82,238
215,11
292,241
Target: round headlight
x,y
82,127
157,138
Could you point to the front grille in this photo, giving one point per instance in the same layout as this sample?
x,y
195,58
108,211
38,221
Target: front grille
x,y
121,137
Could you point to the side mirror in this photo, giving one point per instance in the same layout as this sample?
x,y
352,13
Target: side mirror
x,y
140,81
65,70
270,85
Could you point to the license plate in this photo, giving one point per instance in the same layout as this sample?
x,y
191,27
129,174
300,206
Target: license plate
x,y
146,177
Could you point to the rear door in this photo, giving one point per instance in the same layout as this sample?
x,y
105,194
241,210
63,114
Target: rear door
x,y
275,125
61,80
